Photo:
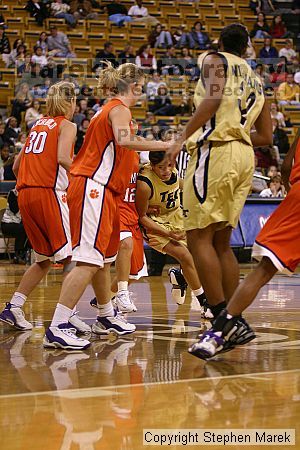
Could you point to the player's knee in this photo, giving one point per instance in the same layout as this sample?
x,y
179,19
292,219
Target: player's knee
x,y
44,265
126,245
185,258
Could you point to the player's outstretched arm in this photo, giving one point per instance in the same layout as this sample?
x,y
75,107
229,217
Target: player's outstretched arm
x,y
288,162
66,139
263,134
120,118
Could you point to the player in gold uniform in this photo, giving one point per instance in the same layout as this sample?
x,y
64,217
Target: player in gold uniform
x,y
229,101
158,187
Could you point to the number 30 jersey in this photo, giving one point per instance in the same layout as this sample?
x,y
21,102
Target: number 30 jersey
x,y
127,209
39,164
242,100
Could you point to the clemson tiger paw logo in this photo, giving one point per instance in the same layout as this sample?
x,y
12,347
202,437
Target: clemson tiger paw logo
x,y
94,193
64,198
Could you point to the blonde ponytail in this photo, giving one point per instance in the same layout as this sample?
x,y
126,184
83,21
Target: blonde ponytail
x,y
59,98
112,82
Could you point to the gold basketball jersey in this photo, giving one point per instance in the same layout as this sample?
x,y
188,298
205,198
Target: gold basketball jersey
x,y
166,195
241,104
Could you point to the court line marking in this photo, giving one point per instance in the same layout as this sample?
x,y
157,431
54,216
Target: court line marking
x,y
98,389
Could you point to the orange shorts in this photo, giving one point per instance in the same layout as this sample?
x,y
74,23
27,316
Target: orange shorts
x,y
94,221
45,217
138,266
279,239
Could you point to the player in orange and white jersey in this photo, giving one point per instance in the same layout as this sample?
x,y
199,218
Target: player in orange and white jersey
x,y
101,172
42,179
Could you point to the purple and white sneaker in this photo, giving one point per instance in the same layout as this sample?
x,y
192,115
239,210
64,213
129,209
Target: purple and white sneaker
x,y
210,343
116,324
14,316
64,336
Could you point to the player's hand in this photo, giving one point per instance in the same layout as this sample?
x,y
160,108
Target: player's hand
x,y
153,210
177,235
173,151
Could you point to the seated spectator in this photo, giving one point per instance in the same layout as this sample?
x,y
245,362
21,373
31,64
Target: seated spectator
x,y
61,10
160,38
107,54
33,114
275,188
17,56
78,116
38,10
52,70
280,138
11,225
43,42
6,162
24,65
278,29
38,57
140,14
127,55
162,103
20,142
59,44
153,84
90,112
261,28
265,6
261,72
288,52
197,38
276,114
21,102
117,13
268,52
272,171
82,9
144,58
266,157
250,52
81,134
14,52
168,64
190,66
40,91
177,35
288,92
33,78
4,46
147,123
278,74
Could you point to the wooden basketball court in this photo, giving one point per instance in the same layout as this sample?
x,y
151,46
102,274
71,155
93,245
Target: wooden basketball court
x,y
104,397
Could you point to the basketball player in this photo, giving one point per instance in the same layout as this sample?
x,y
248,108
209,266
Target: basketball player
x,y
277,246
101,172
42,179
159,185
229,101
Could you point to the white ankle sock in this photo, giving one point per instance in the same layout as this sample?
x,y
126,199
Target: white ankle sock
x,y
198,291
18,299
122,286
106,310
62,314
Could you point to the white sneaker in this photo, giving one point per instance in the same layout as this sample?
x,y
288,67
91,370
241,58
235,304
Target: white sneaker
x,y
179,285
64,336
14,316
116,324
124,302
79,324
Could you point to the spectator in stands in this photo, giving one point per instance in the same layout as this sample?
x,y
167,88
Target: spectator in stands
x,y
258,183
17,56
147,123
190,66
38,10
33,114
59,44
140,14
276,114
279,73
82,9
288,92
43,42
33,78
127,55
250,52
21,141
162,103
40,91
6,162
11,225
168,64
107,54
21,102
160,38
145,59
24,65
268,52
52,70
261,28
117,13
197,38
288,52
38,57
61,10
78,116
2,137
265,6
272,171
81,134
280,138
278,29
177,35
261,72
153,84
11,131
4,45
275,188
266,157
90,113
